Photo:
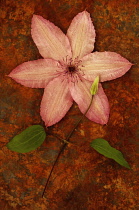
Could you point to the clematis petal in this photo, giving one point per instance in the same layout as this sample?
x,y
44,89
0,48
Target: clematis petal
x,y
106,65
99,110
36,74
56,101
50,40
81,34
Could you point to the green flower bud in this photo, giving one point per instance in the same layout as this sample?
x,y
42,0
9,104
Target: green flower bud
x,y
94,87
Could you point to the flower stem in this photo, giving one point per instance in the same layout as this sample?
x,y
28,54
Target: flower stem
x,y
70,134
66,141
61,139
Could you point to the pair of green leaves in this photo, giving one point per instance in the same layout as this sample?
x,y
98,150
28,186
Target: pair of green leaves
x,y
32,137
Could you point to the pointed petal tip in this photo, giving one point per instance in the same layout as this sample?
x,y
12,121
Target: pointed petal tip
x,y
104,122
85,12
49,123
105,119
10,75
132,64
36,16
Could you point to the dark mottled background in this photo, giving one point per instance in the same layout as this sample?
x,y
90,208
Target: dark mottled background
x,y
83,179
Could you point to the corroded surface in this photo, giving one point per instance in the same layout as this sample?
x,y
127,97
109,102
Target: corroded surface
x,y
82,179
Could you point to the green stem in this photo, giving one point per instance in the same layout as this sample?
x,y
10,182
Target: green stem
x,y
70,134
66,141
56,136
61,139
61,150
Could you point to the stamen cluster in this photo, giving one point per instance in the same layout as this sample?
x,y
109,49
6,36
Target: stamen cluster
x,y
71,69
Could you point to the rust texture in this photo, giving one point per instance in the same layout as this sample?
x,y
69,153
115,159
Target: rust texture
x,y
82,179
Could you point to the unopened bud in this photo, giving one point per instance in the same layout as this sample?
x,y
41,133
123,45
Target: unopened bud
x,y
94,87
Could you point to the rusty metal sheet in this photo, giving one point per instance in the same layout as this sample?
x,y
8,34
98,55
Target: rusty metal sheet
x,y
82,179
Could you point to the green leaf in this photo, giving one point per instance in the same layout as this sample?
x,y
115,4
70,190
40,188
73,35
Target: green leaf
x,y
104,148
29,140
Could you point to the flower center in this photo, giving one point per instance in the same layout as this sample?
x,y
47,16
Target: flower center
x,y
71,69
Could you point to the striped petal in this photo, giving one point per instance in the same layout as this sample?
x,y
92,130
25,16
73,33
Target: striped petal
x,y
35,74
99,110
56,101
49,39
81,34
106,65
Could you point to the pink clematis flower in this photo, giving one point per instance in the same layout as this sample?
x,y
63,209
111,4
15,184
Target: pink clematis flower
x,y
68,69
